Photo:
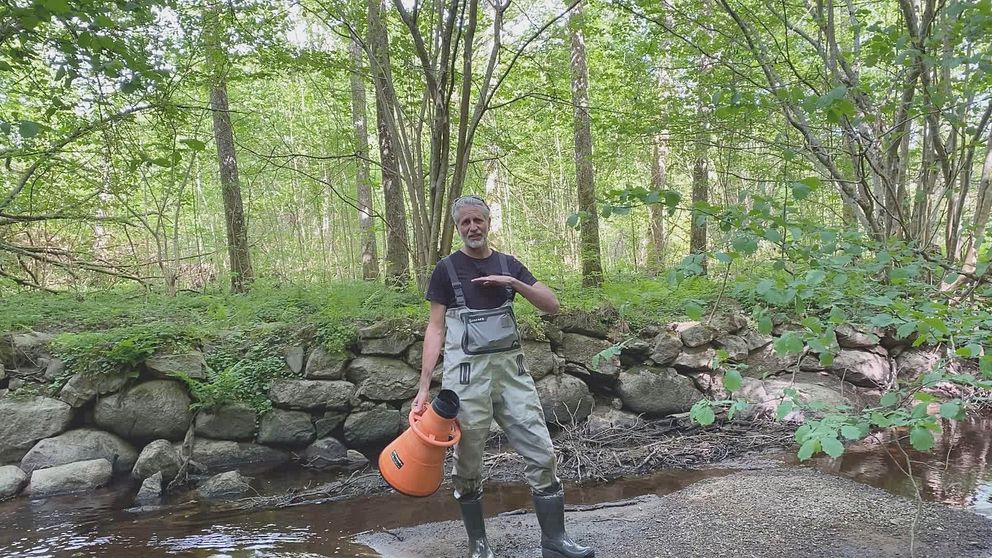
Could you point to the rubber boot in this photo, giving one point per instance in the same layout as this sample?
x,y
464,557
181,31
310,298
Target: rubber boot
x,y
478,546
555,543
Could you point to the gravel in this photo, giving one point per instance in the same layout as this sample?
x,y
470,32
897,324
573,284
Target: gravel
x,y
794,512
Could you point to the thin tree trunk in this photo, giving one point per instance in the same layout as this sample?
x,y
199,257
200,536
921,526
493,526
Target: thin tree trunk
x,y
700,187
589,247
370,260
234,216
397,248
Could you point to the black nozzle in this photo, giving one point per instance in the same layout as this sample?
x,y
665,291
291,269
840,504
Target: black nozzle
x,y
446,404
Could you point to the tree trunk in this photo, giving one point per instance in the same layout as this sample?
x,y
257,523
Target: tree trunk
x,y
370,260
589,249
700,187
234,216
397,249
659,180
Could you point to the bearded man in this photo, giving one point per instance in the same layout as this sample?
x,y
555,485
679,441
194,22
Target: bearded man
x,y
471,293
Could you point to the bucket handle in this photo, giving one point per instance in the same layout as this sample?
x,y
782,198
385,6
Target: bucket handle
x,y
456,433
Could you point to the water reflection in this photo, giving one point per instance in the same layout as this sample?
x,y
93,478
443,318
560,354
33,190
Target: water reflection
x,y
956,472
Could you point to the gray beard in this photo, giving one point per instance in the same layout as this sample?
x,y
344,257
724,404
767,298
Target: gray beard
x,y
474,244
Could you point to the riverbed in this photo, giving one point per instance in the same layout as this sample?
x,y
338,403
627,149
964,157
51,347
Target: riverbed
x,y
956,474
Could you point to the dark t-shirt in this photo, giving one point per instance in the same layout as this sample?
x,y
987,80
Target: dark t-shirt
x,y
467,268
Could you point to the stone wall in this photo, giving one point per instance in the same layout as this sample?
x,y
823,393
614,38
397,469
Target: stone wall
x,y
330,405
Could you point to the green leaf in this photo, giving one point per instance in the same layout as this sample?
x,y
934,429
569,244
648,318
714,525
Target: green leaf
x,y
972,350
765,327
952,410
815,276
833,447
784,408
724,257
196,145
693,310
28,129
906,329
919,410
889,399
985,365
732,380
809,448
850,432
572,221
800,191
790,343
837,315
920,438
702,413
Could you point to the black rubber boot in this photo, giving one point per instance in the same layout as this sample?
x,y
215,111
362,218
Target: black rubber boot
x,y
478,546
555,543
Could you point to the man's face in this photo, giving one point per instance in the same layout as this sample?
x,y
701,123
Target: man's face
x,y
473,226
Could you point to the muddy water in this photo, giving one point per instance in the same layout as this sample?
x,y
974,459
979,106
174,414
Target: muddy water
x,y
956,473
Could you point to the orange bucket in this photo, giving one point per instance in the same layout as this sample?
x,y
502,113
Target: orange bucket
x,y
413,464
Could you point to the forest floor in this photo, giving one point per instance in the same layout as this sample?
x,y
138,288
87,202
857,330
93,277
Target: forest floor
x,y
795,512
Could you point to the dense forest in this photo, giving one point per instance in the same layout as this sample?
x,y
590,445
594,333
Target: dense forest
x,y
814,163
182,144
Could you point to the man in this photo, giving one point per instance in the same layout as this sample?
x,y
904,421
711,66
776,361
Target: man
x,y
471,294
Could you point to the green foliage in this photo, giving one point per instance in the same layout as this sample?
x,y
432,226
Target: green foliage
x,y
121,349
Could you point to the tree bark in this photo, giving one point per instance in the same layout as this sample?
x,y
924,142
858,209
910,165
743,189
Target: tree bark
x,y
234,215
589,247
363,186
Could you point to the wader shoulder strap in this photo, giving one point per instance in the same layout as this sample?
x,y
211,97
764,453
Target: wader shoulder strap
x,y
455,283
505,270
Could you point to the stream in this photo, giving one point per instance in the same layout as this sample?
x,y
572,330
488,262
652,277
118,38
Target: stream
x,y
956,473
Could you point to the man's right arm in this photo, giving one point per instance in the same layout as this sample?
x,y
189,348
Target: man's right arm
x,y
433,340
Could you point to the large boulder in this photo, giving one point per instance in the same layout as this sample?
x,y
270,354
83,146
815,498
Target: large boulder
x,y
328,453
754,339
83,444
165,366
72,477
861,368
695,334
231,422
392,344
566,400
695,359
148,411
538,358
229,484
83,388
312,394
580,349
912,363
850,338
736,347
657,391
765,362
377,426
325,365
286,428
25,421
582,322
383,379
666,347
158,457
219,455
12,480
766,395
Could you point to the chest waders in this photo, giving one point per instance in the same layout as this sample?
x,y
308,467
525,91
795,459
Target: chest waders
x,y
484,365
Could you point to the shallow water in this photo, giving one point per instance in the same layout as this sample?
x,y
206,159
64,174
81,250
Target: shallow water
x,y
957,473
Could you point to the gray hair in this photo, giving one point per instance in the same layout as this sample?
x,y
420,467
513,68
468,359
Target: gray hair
x,y
465,201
